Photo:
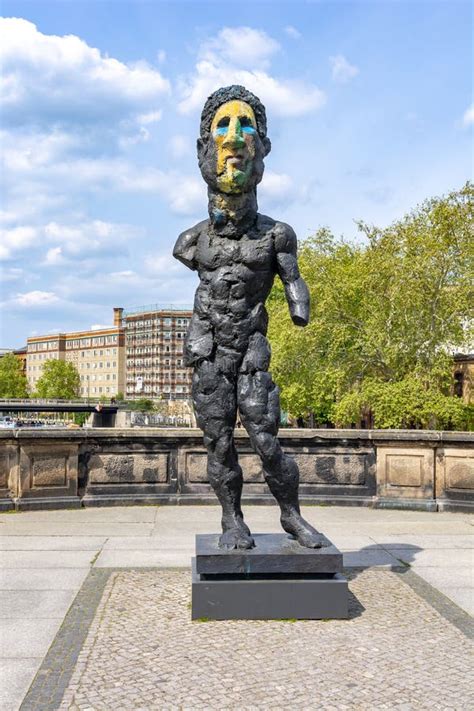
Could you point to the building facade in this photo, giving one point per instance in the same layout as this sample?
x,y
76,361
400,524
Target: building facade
x,y
154,337
99,356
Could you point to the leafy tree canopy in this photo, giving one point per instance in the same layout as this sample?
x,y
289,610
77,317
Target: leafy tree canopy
x,y
387,313
12,381
60,379
142,405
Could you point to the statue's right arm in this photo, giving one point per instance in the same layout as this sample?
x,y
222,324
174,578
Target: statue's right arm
x,y
185,247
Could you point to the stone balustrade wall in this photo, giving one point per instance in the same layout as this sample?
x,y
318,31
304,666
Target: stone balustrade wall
x,y
42,469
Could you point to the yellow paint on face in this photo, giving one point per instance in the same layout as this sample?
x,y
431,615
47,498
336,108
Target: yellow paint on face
x,y
234,129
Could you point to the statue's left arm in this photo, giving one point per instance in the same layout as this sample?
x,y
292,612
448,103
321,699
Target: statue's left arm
x,y
296,291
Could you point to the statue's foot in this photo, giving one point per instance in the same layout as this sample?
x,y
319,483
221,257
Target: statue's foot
x,y
236,535
307,536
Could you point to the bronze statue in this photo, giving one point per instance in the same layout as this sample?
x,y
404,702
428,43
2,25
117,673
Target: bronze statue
x,y
237,252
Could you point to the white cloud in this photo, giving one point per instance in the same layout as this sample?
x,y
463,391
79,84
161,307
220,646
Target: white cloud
x,y
161,56
54,257
292,32
180,146
341,70
90,238
35,298
276,186
186,196
161,264
16,239
242,46
13,274
100,326
468,117
150,117
242,55
125,274
53,79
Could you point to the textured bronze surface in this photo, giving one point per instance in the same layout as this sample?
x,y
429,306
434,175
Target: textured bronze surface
x,y
237,253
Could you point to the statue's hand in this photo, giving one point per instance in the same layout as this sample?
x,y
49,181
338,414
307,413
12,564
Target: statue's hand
x,y
299,314
297,295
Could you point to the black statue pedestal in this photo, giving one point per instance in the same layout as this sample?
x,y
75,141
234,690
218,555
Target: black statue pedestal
x,y
278,579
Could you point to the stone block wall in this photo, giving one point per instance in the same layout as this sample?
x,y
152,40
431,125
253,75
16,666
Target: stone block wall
x,y
93,467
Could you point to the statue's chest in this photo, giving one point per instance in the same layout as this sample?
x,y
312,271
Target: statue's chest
x,y
255,253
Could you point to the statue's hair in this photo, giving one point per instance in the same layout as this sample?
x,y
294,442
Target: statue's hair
x,y
231,93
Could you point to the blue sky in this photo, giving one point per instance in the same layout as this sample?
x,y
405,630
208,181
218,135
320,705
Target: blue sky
x,y
369,109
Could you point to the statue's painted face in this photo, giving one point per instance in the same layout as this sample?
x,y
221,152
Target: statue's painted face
x,y
234,132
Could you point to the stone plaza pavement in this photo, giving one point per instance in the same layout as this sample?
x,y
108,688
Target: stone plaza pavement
x,y
96,616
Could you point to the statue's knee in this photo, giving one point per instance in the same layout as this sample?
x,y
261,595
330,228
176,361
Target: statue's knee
x,y
220,446
267,446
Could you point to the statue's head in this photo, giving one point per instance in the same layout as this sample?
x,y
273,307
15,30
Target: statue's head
x,y
233,140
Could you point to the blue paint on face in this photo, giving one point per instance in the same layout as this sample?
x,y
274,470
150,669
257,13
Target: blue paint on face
x,y
222,130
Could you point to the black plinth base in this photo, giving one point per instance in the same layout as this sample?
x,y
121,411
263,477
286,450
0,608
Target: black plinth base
x,y
273,553
278,579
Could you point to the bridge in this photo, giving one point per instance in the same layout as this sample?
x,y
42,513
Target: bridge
x,y
104,414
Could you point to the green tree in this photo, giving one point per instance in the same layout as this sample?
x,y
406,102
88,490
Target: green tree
x,y
59,379
143,404
387,312
12,381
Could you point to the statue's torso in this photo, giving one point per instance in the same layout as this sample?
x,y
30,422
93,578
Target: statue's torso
x,y
236,276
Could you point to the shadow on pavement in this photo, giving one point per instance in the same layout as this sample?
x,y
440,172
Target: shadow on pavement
x,y
376,553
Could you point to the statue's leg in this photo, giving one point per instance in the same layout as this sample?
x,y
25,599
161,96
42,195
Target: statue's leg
x,y
214,397
259,406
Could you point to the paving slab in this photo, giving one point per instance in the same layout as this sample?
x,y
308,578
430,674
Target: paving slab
x,y
59,528
369,559
43,579
16,676
381,528
104,514
45,559
28,638
179,558
454,558
443,578
462,596
152,543
425,541
35,604
51,543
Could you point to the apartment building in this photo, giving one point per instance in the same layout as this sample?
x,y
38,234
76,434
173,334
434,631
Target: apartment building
x,y
99,356
154,337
